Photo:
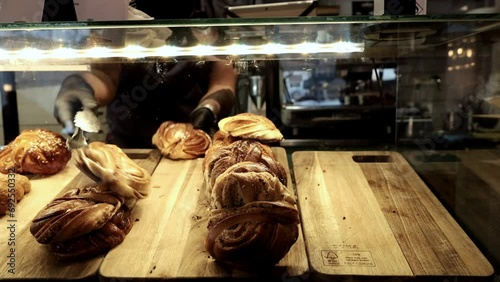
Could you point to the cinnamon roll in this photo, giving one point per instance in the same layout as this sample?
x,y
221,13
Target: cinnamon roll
x,y
218,160
250,126
181,140
253,219
108,165
83,223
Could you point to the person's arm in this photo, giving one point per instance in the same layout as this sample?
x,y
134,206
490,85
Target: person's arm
x,y
219,99
220,96
85,91
103,79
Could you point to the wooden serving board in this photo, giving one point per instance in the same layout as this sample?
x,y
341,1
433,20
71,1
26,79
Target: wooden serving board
x,y
368,213
33,260
167,240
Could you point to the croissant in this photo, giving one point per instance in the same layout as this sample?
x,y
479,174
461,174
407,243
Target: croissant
x,y
20,183
250,126
37,151
253,219
181,140
82,223
108,165
218,160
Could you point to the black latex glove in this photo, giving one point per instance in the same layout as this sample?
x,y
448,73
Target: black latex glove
x,y
75,95
203,118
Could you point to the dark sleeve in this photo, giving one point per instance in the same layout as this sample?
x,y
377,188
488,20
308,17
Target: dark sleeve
x,y
167,9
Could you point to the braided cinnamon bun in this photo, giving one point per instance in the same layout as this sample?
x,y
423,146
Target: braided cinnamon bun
x,y
82,223
108,165
218,160
253,219
37,151
181,140
250,126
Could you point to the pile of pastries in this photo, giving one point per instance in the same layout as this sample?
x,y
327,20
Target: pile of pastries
x,y
253,219
83,222
88,221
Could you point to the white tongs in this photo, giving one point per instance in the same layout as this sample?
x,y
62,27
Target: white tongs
x,y
85,121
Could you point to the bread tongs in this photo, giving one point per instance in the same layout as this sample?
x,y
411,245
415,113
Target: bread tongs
x,y
85,121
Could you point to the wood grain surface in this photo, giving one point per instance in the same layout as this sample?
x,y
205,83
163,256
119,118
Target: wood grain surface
x,y
167,240
377,218
471,190
33,260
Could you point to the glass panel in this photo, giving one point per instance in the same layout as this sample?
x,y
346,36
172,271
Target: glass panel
x,y
285,38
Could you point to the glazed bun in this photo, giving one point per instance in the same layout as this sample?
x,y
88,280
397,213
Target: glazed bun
x,y
36,151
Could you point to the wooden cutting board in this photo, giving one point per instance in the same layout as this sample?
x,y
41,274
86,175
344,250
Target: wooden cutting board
x,y
32,260
368,213
167,240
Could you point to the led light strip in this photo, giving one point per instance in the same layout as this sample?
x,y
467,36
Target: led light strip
x,y
135,51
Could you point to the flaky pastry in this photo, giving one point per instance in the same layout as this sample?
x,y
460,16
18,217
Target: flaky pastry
x,y
108,165
37,151
181,140
250,126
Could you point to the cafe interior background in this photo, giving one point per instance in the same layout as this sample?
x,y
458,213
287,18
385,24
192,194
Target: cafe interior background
x,y
428,103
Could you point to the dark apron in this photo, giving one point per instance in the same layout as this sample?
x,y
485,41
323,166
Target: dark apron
x,y
150,94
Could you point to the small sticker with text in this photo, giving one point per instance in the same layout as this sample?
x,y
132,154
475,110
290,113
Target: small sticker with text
x,y
347,258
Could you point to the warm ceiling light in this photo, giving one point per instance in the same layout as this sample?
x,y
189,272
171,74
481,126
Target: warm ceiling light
x,y
135,51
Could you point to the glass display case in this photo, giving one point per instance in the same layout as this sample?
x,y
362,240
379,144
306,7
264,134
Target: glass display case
x,y
424,87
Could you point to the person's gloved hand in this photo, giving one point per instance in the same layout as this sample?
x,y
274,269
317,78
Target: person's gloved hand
x,y
204,118
75,95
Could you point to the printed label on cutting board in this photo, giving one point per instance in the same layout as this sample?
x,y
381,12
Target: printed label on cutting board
x,y
347,258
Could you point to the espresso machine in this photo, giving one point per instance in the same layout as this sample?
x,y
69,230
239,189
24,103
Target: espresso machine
x,y
253,88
